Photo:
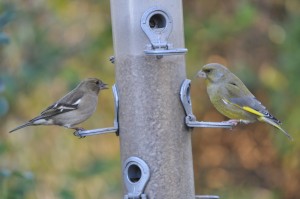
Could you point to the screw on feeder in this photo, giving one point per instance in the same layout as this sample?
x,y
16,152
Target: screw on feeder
x,y
115,128
190,118
136,174
112,59
157,24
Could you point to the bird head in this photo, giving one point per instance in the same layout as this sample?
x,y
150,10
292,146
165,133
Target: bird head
x,y
93,84
213,72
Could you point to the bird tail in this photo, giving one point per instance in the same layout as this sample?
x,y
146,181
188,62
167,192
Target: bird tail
x,y
22,126
275,124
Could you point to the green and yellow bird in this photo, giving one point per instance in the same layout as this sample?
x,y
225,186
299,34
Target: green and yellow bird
x,y
232,98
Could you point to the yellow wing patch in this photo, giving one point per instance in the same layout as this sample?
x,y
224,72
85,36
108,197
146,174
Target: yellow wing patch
x,y
246,108
251,110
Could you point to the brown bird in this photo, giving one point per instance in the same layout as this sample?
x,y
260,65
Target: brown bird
x,y
72,109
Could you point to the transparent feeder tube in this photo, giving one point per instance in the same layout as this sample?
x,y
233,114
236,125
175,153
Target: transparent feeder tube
x,y
151,116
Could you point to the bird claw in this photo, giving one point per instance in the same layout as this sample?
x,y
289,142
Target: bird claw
x,y
234,122
77,132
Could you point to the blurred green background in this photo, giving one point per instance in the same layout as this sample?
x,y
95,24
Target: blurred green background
x,y
48,46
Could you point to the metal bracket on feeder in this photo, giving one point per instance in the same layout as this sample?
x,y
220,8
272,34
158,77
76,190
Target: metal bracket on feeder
x,y
115,128
157,24
207,197
190,118
136,174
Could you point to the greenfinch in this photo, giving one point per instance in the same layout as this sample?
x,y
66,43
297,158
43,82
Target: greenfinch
x,y
232,98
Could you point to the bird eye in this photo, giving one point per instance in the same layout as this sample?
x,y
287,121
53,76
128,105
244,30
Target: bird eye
x,y
233,83
97,82
207,70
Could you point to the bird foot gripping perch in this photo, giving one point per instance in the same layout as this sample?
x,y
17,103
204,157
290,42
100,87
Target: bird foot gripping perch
x,y
78,130
81,133
190,118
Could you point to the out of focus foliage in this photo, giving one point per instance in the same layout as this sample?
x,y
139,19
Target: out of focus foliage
x,y
53,45
259,41
48,46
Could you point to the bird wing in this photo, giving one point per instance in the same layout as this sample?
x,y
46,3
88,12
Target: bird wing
x,y
68,103
244,99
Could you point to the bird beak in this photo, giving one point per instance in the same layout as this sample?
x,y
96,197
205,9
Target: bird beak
x,y
103,86
201,74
